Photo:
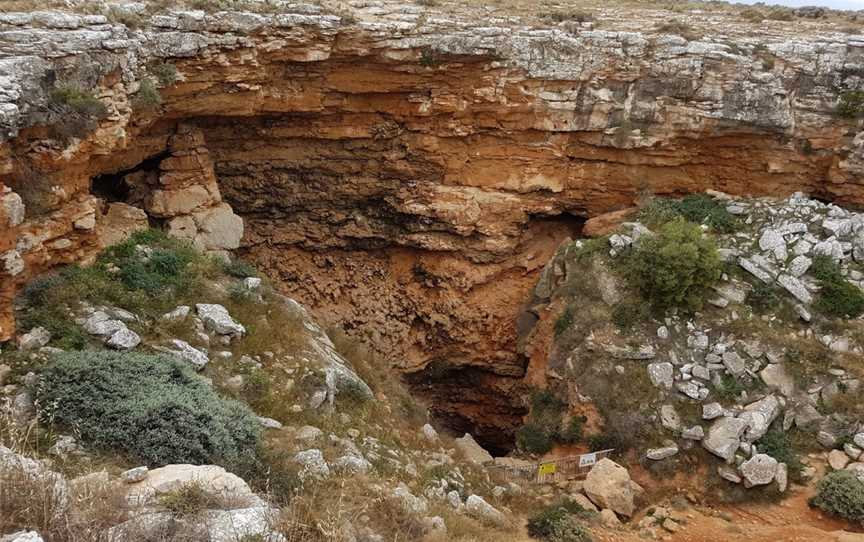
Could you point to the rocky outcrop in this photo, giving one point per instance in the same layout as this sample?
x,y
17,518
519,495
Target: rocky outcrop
x,y
403,170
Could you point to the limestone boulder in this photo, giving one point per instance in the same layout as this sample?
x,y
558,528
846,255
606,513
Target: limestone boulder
x,y
608,485
724,437
472,451
212,479
759,470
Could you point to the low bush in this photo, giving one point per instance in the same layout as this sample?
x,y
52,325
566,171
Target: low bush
x,y
533,439
239,268
165,73
544,424
763,298
696,208
729,388
777,444
559,523
154,408
564,321
627,314
674,267
851,104
837,296
77,112
841,493
78,101
147,96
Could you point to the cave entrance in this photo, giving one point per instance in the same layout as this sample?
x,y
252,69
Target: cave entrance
x,y
124,186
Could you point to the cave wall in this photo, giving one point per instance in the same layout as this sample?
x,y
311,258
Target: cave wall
x,y
404,174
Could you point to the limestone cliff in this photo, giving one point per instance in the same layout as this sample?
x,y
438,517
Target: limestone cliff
x,y
406,171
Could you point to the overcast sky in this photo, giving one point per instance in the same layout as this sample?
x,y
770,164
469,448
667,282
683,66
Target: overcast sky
x,y
837,4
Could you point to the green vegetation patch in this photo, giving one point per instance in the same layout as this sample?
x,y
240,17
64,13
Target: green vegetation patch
x,y
851,104
837,296
544,424
841,493
560,523
696,208
148,274
154,408
674,267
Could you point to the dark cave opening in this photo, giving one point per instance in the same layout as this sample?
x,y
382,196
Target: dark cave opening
x,y
116,186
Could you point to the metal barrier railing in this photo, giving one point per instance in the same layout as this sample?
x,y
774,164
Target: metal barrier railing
x,y
565,468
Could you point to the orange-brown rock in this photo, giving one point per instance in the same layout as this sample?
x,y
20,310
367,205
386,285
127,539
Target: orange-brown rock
x,y
406,172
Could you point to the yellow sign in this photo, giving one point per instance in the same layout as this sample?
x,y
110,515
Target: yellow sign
x,y
547,468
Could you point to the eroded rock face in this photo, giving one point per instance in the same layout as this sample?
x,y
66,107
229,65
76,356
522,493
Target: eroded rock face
x,y
399,174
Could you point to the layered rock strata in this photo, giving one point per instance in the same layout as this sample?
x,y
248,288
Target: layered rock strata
x,y
403,170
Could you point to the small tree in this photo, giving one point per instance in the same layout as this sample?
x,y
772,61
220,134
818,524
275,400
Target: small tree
x,y
675,266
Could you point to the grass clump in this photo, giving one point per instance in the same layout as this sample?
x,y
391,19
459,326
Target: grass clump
x,y
778,445
851,104
165,73
559,523
564,322
147,274
837,296
627,314
679,28
675,267
77,112
763,298
147,96
189,499
696,208
79,101
841,494
239,268
153,408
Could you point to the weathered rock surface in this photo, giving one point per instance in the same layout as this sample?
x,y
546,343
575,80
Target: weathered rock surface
x,y
368,136
608,485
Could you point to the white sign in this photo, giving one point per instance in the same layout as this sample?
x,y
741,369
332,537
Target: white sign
x,y
587,460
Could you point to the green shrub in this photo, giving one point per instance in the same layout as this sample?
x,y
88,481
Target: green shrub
x,y
573,430
564,322
77,112
153,262
763,298
154,408
841,493
429,57
696,208
627,314
79,101
675,267
147,96
851,104
165,73
729,388
558,523
777,444
239,268
837,296
533,439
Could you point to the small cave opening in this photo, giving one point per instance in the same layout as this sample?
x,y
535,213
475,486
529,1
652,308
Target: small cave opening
x,y
125,185
472,400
